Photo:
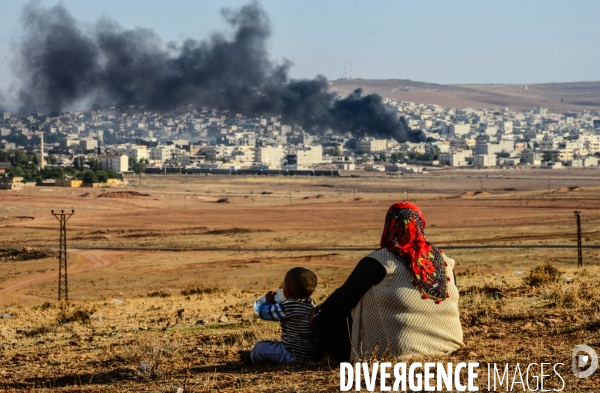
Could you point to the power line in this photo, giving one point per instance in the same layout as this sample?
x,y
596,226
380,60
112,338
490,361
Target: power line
x,y
63,291
312,249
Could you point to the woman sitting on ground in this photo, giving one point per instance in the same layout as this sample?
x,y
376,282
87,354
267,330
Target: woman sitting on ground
x,y
399,300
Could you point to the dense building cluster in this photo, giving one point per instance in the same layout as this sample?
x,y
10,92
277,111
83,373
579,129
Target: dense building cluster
x,y
501,137
134,139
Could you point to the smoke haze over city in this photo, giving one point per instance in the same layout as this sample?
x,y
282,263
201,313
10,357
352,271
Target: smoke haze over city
x,y
60,64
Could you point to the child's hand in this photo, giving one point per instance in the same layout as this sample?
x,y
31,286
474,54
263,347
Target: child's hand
x,y
270,296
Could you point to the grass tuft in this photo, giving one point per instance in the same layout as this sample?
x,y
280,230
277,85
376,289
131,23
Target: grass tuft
x,y
158,294
542,275
79,314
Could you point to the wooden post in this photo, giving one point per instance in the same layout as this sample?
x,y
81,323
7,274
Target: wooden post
x,y
579,250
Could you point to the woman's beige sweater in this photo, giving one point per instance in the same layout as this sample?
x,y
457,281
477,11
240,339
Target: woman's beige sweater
x,y
393,319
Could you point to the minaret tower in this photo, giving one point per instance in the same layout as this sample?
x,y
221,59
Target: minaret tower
x,y
42,162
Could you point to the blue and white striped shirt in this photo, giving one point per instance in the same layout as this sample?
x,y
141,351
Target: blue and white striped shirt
x,y
298,334
271,312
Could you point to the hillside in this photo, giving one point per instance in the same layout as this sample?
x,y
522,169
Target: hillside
x,y
557,97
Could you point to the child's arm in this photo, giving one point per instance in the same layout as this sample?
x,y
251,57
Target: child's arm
x,y
271,312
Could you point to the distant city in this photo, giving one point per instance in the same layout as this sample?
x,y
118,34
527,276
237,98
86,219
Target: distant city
x,y
134,140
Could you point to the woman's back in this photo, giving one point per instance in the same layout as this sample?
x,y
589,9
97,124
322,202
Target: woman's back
x,y
400,322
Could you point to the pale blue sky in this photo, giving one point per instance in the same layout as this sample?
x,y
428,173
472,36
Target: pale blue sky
x,y
469,41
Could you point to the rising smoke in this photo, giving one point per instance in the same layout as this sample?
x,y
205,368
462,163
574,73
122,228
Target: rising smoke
x,y
61,64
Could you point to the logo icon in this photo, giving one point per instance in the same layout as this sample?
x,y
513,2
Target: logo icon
x,y
584,365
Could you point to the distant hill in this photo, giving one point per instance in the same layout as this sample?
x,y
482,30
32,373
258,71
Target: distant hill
x,y
557,97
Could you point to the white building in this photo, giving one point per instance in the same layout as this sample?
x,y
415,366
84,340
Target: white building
x,y
161,153
460,144
592,145
530,157
136,152
271,156
87,144
69,143
218,152
484,160
403,168
589,161
309,155
506,126
372,145
460,129
117,162
243,154
453,159
549,143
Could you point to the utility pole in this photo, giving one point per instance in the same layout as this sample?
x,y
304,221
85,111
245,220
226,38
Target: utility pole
x,y
579,251
63,217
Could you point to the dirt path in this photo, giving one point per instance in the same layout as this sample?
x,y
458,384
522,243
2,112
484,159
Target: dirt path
x,y
92,260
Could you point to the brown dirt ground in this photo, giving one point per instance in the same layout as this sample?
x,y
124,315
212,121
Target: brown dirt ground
x,y
180,213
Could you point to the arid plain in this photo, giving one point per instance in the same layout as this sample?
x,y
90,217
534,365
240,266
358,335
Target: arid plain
x,y
145,288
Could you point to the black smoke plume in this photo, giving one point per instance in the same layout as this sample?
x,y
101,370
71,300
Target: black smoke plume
x,y
368,116
61,64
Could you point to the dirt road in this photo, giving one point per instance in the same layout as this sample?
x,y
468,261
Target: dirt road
x,y
89,260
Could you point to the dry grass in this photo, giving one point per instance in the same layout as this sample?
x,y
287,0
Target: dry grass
x,y
101,345
186,314
543,275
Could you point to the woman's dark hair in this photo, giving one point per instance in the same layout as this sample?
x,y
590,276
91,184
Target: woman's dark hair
x,y
300,282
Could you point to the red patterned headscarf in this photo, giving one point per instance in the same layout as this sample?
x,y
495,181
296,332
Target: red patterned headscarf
x,y
404,236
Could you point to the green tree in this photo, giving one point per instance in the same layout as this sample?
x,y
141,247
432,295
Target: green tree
x,y
102,176
52,160
89,177
15,171
52,173
397,157
20,156
113,175
132,162
139,167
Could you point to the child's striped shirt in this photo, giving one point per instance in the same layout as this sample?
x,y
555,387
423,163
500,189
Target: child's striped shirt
x,y
298,335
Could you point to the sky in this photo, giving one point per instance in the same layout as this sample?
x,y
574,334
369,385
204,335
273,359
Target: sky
x,y
447,42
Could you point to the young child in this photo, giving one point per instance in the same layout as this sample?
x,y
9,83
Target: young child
x,y
299,340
